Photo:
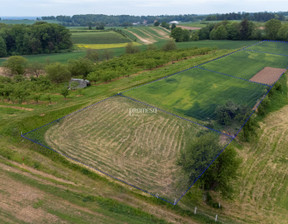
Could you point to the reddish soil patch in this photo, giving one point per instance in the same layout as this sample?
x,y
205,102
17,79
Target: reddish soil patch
x,y
189,28
268,75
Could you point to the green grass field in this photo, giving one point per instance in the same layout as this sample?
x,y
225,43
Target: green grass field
x,y
196,93
105,37
246,64
271,47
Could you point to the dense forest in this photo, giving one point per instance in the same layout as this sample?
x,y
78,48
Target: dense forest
x,y
228,30
259,16
38,38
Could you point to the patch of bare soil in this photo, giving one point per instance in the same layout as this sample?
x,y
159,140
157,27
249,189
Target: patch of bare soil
x,y
268,75
17,108
3,72
189,28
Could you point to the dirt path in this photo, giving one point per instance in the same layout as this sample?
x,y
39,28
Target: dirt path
x,y
144,40
17,108
189,28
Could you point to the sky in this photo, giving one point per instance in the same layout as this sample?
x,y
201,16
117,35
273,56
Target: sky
x,y
136,7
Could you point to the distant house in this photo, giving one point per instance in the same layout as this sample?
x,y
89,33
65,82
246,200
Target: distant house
x,y
78,83
174,22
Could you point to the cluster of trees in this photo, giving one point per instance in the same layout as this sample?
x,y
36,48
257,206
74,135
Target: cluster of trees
x,y
111,20
258,16
40,37
163,24
198,154
180,35
227,30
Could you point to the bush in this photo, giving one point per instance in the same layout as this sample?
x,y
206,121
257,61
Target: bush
x,y
170,45
131,49
58,73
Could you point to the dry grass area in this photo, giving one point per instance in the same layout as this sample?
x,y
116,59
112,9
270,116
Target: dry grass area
x,y
268,75
263,185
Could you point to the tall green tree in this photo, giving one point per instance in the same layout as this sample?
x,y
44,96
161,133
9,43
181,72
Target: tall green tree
x,y
3,48
246,29
283,32
16,65
271,28
219,33
177,34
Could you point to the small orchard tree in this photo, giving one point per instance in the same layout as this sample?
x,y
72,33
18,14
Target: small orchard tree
x,y
65,92
35,69
16,65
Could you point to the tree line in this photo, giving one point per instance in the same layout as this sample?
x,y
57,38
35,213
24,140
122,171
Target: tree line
x,y
118,20
258,16
228,30
38,38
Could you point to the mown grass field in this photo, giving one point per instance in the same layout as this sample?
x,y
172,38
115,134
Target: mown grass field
x,y
246,64
140,149
97,37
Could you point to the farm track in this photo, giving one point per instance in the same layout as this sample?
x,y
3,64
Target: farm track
x,y
141,150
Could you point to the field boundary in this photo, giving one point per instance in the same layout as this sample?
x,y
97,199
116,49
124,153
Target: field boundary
x,y
188,120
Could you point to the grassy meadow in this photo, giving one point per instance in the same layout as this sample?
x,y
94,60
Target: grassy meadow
x,y
196,93
245,64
